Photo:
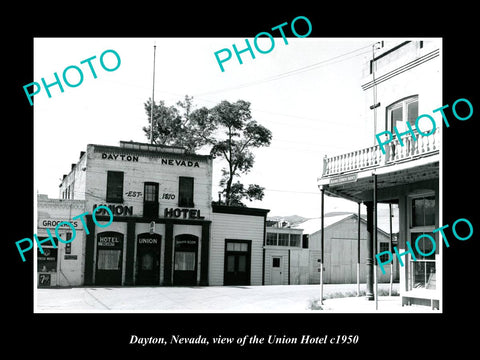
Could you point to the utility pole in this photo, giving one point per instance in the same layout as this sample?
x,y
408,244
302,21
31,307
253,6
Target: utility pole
x,y
375,104
153,95
391,249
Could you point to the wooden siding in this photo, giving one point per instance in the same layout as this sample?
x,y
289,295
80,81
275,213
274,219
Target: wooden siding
x,y
237,227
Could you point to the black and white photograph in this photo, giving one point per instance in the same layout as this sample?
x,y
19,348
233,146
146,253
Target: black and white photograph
x,y
246,190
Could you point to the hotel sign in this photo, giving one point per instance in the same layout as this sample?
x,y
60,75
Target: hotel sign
x,y
343,179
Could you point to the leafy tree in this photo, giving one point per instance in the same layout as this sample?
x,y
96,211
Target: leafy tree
x,y
241,135
183,126
227,127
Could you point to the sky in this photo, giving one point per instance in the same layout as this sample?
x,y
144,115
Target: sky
x,y
308,93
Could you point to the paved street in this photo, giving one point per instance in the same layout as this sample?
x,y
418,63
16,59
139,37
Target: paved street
x,y
226,299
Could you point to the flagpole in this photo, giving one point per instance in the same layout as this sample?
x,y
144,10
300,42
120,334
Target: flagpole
x,y
153,95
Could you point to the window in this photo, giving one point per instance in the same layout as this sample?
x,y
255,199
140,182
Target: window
x,y
185,192
384,246
305,241
185,261
283,239
271,238
237,246
423,211
150,200
295,240
401,112
109,259
150,192
115,186
276,262
423,270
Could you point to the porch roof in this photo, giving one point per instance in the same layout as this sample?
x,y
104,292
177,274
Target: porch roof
x,y
358,186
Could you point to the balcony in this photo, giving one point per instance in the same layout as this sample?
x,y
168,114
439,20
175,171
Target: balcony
x,y
372,157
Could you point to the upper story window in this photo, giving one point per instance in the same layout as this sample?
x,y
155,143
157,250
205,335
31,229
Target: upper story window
x,y
271,238
150,192
295,240
114,186
185,191
401,112
284,239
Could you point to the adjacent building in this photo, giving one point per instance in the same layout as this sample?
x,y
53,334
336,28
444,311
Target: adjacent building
x,y
345,244
62,264
401,81
286,256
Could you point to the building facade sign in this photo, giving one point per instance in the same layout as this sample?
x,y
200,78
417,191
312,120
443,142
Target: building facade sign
x,y
183,213
116,209
134,158
186,163
122,157
52,223
109,241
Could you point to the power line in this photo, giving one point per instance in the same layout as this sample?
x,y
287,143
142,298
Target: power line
x,y
292,72
294,191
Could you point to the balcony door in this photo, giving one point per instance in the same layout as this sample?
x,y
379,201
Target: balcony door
x,y
150,200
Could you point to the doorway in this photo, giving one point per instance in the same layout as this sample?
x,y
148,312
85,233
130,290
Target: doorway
x,y
237,262
185,261
277,273
109,258
148,259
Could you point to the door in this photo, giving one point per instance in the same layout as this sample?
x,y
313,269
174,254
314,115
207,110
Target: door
x,y
148,259
185,261
237,262
109,258
277,270
150,200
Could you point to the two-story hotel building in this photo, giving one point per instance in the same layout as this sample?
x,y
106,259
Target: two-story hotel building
x,y
161,232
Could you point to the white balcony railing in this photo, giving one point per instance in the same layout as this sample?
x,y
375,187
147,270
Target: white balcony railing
x,y
373,156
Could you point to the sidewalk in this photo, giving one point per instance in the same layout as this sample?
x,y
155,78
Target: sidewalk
x,y
386,304
216,299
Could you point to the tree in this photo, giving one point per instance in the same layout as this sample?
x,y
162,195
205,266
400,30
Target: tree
x,y
228,128
183,126
242,134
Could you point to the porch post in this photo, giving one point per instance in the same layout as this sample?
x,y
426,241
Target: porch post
x,y
369,250
358,252
375,242
322,246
